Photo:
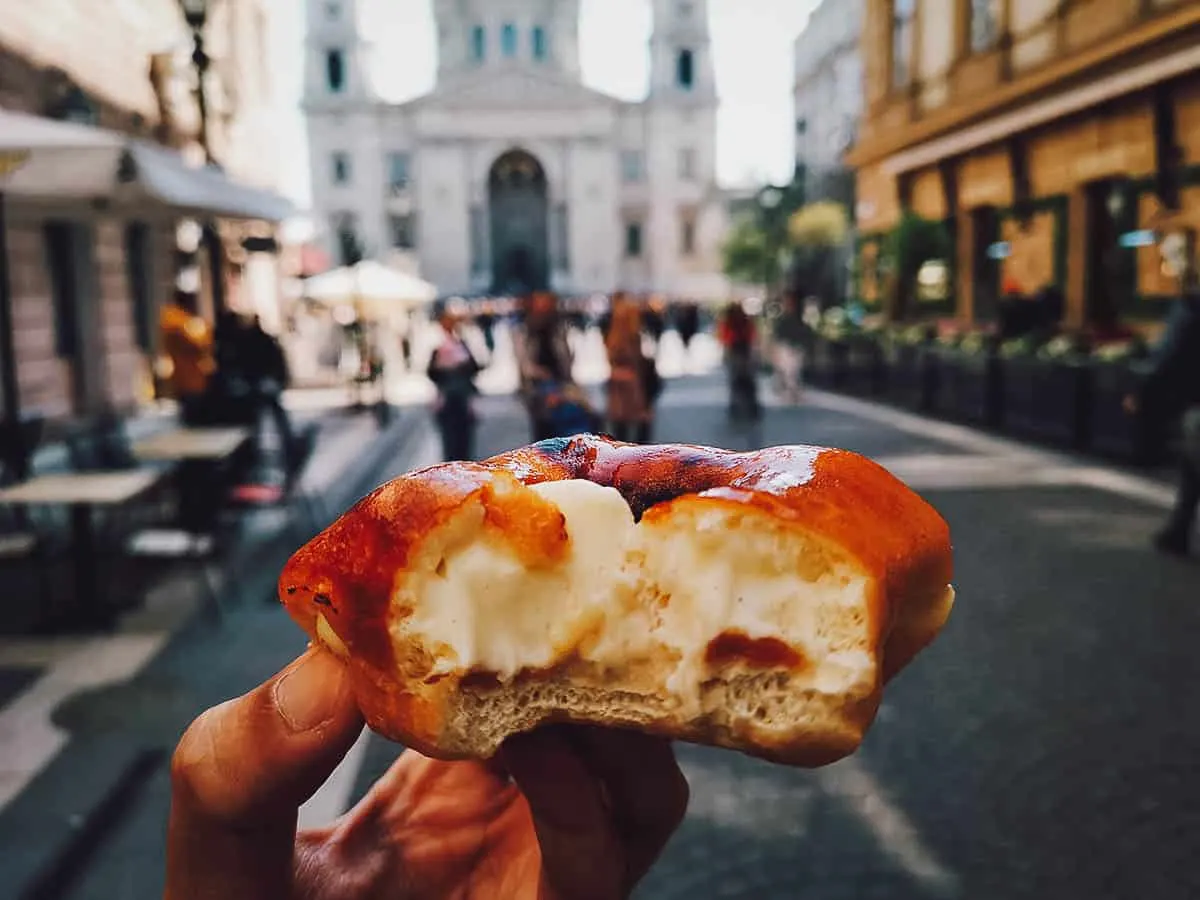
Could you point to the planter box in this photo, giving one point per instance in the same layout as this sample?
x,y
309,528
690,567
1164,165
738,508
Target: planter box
x,y
1046,400
829,364
866,367
1134,438
970,387
912,376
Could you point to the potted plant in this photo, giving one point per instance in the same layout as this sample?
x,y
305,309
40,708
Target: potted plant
x,y
1119,429
831,348
970,386
1047,390
867,369
911,365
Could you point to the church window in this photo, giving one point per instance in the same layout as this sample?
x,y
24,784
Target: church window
x,y
402,230
801,126
631,166
687,163
685,9
685,69
633,240
335,70
341,167
508,40
687,235
903,13
478,43
398,170
333,10
539,43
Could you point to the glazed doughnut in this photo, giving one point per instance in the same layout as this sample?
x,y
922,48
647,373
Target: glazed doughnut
x,y
758,601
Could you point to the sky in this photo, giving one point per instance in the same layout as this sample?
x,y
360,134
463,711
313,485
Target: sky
x,y
752,52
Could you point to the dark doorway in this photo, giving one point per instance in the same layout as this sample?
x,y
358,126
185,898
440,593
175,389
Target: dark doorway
x,y
987,254
517,195
1108,268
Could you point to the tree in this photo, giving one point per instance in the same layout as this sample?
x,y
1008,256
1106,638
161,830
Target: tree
x,y
818,235
747,253
821,224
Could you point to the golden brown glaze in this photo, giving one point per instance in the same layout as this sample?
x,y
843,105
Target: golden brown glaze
x,y
348,572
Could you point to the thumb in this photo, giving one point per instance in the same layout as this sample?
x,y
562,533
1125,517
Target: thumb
x,y
242,770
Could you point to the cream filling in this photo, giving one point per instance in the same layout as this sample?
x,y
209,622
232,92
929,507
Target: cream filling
x,y
483,609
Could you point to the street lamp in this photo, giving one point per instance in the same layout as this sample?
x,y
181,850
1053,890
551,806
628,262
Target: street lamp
x,y
195,13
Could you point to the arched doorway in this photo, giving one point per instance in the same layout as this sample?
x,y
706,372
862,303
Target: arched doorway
x,y
517,199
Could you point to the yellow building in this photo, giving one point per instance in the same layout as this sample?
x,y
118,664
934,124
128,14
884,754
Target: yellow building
x,y
1049,135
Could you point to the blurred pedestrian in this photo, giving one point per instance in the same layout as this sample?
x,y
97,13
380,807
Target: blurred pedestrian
x,y
737,335
562,812
1171,390
790,336
190,364
267,368
630,405
486,320
543,357
687,323
452,369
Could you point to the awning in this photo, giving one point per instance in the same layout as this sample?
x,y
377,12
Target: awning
x,y
47,159
161,175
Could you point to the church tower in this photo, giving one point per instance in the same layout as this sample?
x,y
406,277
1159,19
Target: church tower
x,y
681,66
338,55
476,35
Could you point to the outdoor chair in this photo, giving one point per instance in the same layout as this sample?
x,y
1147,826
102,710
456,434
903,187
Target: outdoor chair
x,y
256,489
24,549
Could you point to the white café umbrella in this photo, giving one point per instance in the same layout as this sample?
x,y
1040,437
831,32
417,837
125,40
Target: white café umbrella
x,y
370,287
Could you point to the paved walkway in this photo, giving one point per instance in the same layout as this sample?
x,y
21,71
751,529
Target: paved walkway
x,y
1041,748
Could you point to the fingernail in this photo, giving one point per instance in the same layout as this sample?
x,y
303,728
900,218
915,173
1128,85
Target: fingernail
x,y
306,694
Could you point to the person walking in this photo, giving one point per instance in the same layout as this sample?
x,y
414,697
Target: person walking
x,y
737,335
687,323
790,336
267,368
452,369
1171,392
544,358
630,410
188,345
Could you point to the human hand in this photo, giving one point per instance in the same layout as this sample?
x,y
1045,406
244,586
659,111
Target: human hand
x,y
584,814
1130,404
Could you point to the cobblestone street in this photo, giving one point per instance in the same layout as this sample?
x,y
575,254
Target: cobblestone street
x,y
1040,748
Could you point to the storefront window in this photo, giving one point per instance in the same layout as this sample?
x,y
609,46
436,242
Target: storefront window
x,y
985,20
902,41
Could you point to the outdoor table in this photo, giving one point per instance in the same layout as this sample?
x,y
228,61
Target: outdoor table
x,y
192,444
199,451
81,491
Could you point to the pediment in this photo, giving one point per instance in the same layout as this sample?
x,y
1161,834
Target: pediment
x,y
514,89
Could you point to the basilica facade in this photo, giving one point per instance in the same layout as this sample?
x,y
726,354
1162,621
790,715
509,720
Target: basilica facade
x,y
512,174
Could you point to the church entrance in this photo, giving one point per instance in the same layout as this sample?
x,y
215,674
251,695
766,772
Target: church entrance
x,y
517,198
